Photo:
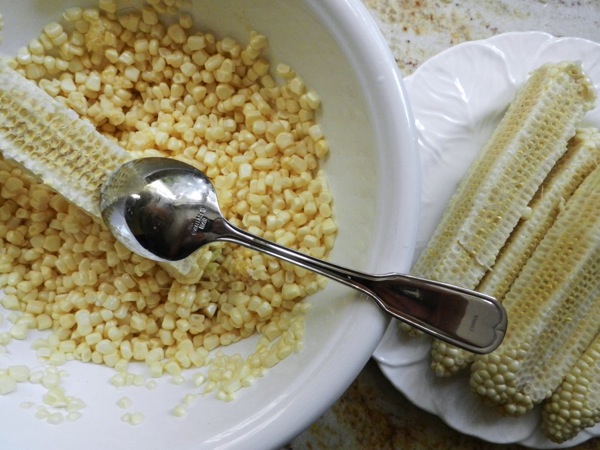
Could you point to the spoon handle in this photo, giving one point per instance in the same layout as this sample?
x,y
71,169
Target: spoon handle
x,y
465,318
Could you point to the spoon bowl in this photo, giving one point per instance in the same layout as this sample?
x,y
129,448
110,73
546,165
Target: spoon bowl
x,y
165,210
161,208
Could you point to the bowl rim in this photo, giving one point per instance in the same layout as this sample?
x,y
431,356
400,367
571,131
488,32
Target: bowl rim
x,y
395,244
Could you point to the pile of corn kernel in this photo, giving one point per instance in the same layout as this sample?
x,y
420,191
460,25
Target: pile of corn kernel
x,y
171,91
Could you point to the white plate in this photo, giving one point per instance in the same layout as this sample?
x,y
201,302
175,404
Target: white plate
x,y
458,97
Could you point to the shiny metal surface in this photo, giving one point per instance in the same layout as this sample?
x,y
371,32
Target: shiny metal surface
x,y
165,210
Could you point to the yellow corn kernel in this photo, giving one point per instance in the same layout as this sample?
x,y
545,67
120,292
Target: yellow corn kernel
x,y
92,298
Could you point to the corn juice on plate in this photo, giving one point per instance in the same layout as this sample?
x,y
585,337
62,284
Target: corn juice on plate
x,y
470,85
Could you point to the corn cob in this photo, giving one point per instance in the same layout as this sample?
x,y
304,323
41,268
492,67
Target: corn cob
x,y
494,193
49,139
501,182
582,156
575,405
65,151
553,309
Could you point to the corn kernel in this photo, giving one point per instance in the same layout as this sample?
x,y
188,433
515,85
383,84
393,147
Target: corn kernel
x,y
229,130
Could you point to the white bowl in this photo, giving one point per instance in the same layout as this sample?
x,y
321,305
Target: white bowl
x,y
373,170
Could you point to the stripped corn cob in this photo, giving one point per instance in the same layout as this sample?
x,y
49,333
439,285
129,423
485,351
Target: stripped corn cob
x,y
582,156
500,183
575,405
50,140
495,192
553,309
66,152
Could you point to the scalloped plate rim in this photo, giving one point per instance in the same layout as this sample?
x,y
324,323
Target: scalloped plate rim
x,y
391,355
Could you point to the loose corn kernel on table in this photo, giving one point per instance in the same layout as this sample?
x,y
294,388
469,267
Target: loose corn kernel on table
x,y
372,414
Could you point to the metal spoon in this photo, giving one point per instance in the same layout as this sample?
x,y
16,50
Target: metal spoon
x,y
165,210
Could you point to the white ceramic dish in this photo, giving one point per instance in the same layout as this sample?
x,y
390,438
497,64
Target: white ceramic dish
x,y
374,174
458,97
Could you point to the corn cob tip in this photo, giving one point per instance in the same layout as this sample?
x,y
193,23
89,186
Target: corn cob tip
x,y
575,404
447,359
